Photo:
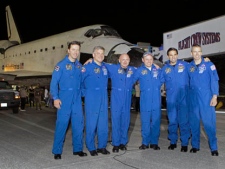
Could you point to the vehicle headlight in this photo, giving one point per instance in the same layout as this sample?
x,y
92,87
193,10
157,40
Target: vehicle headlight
x,y
17,95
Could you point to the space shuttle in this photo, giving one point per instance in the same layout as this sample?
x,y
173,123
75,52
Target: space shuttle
x,y
33,61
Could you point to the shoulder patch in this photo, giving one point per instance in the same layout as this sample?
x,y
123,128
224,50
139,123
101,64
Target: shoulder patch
x,y
57,68
213,67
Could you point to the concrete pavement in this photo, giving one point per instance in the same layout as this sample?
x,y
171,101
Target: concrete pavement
x,y
26,142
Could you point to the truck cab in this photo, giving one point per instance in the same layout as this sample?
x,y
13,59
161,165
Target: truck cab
x,y
9,98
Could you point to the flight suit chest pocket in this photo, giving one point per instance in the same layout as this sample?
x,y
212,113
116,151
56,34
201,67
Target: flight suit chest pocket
x,y
68,73
168,78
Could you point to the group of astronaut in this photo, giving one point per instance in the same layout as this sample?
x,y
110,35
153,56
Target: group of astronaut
x,y
191,88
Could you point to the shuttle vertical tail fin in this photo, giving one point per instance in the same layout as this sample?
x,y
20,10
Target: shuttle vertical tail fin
x,y
13,34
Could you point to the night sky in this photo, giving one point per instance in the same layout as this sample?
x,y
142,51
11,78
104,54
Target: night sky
x,y
140,21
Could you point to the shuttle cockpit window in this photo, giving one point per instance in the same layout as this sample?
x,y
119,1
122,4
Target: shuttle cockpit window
x,y
97,32
89,33
105,30
109,31
93,33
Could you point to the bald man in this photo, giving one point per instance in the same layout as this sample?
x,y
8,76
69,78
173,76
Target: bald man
x,y
121,75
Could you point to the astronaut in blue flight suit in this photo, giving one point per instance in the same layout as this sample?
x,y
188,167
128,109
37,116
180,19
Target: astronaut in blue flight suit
x,y
175,77
95,83
121,93
150,101
204,89
65,88
121,76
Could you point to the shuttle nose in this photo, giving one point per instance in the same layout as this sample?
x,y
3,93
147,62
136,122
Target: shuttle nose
x,y
134,52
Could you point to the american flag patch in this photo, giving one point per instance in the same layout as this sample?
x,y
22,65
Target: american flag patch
x,y
83,69
57,68
169,36
213,67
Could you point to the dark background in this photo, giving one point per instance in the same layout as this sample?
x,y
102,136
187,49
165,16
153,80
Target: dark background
x,y
135,21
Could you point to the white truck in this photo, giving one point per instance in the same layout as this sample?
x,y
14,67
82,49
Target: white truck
x,y
210,34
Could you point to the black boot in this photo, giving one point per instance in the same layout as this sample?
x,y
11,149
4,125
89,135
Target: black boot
x,y
172,146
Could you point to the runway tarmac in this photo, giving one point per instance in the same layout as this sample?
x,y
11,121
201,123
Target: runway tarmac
x,y
26,142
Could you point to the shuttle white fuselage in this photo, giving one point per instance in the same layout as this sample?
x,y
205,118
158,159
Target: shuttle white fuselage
x,y
38,57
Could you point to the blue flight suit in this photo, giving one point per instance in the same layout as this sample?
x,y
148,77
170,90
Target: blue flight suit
x,y
95,83
150,103
121,94
176,80
203,85
66,86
